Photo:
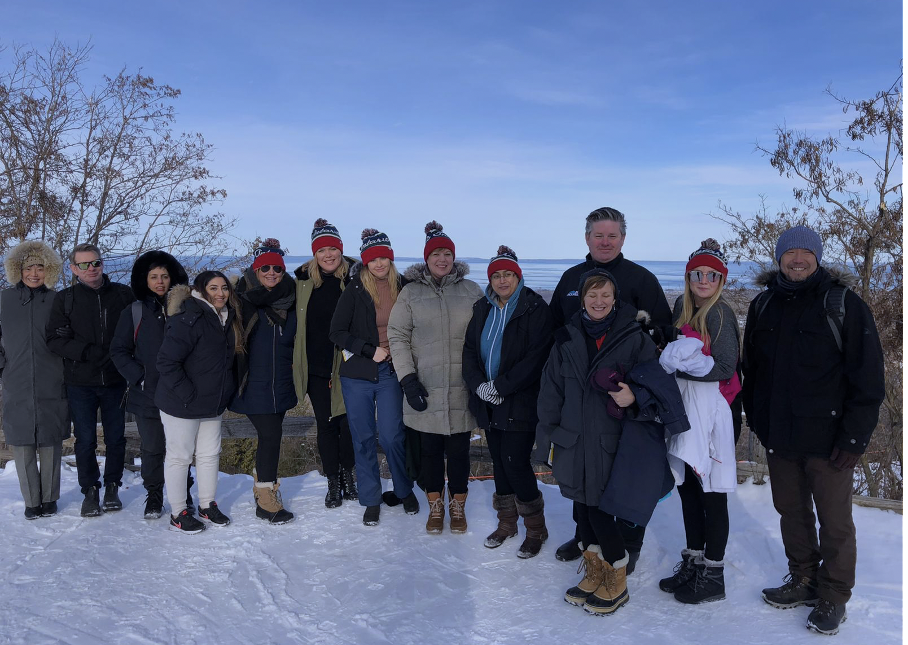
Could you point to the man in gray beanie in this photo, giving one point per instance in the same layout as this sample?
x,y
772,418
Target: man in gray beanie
x,y
813,385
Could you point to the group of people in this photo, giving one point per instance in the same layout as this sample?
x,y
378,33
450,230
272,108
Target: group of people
x,y
623,397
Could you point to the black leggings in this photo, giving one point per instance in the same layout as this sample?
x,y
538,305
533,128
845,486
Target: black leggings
x,y
511,463
270,429
433,449
598,527
705,517
335,444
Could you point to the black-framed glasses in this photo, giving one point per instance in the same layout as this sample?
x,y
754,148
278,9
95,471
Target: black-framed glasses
x,y
711,276
93,264
277,268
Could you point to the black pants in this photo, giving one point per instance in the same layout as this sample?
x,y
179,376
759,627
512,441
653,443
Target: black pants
x,y
433,449
598,527
151,432
335,444
631,533
511,463
270,430
705,517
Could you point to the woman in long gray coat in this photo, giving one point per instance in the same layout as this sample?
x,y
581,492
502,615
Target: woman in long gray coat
x,y
35,413
426,332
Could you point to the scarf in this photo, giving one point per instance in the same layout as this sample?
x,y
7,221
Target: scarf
x,y
596,329
254,298
789,287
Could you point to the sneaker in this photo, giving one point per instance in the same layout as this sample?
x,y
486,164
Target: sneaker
x,y
48,509
370,517
91,505
793,593
111,497
214,515
186,523
32,512
826,618
154,504
411,504
569,551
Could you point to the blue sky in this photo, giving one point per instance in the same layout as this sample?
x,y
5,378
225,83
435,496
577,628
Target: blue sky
x,y
507,122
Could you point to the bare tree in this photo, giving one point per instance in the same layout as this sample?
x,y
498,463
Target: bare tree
x,y
860,222
103,165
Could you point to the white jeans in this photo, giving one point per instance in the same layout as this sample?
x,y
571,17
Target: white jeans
x,y
185,437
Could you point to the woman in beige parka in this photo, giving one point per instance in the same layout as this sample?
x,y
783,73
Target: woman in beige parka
x,y
426,333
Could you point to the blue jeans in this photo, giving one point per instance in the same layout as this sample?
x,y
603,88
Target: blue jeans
x,y
84,401
361,399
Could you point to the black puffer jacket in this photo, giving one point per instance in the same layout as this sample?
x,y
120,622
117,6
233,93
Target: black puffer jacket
x,y
353,328
573,415
525,347
92,314
637,285
803,396
196,364
135,353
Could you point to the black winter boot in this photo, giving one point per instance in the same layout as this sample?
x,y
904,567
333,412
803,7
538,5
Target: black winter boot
x,y
569,551
91,505
335,495
707,584
684,571
794,593
826,618
534,521
154,503
349,483
111,497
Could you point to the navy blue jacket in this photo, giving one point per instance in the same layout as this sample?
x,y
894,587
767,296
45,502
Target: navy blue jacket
x,y
196,364
268,387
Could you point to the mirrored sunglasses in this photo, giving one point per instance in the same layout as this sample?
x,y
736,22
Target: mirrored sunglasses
x,y
711,276
94,264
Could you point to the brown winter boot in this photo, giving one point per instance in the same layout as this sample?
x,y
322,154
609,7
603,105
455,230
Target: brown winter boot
x,y
506,505
612,593
436,522
593,571
458,516
534,521
268,503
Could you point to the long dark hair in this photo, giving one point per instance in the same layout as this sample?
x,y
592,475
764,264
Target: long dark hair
x,y
201,283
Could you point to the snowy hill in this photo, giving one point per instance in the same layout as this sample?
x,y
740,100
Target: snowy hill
x,y
328,579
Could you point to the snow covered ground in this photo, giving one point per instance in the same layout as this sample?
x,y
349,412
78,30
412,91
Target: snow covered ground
x,y
326,578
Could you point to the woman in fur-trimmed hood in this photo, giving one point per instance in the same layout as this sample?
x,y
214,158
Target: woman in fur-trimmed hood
x,y
35,411
134,351
426,332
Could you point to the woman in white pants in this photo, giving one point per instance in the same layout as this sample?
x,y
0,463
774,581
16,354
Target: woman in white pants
x,y
197,371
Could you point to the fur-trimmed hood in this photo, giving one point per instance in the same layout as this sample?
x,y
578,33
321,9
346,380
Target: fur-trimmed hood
x,y
53,264
139,278
418,272
839,275
176,297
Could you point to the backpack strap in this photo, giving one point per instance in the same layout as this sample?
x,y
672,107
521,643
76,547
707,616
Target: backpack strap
x,y
834,307
762,300
68,302
136,319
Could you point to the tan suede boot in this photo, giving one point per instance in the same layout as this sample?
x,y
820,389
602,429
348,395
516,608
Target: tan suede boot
x,y
268,503
593,572
436,522
458,516
612,593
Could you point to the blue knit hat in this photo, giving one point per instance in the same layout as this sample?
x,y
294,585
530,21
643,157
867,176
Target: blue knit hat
x,y
799,237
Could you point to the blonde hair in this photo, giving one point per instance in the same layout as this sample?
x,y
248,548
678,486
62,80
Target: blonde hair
x,y
371,288
697,320
315,273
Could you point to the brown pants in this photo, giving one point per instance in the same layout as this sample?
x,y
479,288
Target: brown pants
x,y
798,484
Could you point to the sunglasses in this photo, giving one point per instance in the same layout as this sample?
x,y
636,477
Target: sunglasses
x,y
277,268
711,276
93,264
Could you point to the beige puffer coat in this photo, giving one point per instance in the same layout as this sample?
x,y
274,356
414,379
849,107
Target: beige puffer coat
x,y
426,332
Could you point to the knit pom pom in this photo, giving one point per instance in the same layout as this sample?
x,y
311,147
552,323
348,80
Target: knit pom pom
x,y
321,221
505,250
433,226
272,243
710,244
367,232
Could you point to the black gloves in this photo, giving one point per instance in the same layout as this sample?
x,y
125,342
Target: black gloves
x,y
843,460
64,332
415,392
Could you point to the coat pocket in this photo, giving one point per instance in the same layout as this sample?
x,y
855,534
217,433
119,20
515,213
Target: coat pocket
x,y
564,469
359,367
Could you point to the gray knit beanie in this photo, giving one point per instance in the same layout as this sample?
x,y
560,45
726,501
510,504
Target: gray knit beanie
x,y
799,237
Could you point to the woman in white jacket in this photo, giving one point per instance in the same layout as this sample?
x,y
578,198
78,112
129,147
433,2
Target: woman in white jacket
x,y
704,457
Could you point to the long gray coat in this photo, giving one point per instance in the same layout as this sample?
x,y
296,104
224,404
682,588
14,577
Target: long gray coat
x,y
573,415
426,330
35,409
